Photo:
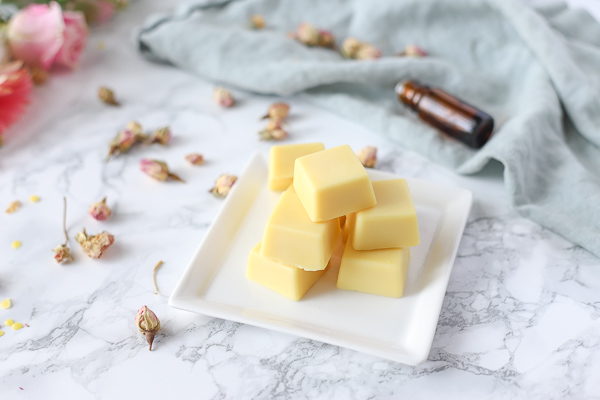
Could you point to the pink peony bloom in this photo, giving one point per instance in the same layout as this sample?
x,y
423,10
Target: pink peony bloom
x,y
42,35
75,38
15,87
36,34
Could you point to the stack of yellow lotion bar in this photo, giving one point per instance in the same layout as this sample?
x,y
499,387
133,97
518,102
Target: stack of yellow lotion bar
x,y
326,190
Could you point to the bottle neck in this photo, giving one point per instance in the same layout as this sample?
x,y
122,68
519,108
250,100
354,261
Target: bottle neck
x,y
410,93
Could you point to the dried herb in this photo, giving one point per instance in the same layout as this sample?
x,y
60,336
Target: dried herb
x,y
62,253
154,276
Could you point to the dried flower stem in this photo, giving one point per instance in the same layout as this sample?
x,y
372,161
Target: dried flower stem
x,y
65,221
154,278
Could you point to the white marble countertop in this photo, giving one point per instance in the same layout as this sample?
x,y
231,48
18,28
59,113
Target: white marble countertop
x,y
521,318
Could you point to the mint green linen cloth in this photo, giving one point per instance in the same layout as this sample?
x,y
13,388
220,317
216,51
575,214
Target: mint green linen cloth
x,y
536,71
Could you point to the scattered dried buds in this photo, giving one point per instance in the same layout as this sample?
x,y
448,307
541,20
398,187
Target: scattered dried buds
x,y
223,97
122,142
135,127
100,211
223,185
257,21
161,136
307,34
326,39
368,52
94,246
148,324
274,130
62,253
13,207
352,48
107,96
413,51
368,156
127,138
278,111
273,134
158,170
195,159
311,36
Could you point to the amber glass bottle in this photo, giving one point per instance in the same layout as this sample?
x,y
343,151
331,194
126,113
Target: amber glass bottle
x,y
447,113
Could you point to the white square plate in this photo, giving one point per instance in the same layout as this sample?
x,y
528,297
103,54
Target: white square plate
x,y
401,329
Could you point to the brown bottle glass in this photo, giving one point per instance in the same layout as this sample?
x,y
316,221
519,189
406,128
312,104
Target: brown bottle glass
x,y
447,113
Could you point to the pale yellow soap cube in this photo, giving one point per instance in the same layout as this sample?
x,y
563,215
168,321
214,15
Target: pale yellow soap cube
x,y
381,272
281,162
291,238
332,183
391,223
286,280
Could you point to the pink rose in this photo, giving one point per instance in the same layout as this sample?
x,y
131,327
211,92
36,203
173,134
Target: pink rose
x,y
36,34
75,38
42,35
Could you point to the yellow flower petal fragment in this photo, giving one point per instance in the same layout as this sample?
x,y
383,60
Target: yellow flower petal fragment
x,y
12,207
17,326
9,322
16,244
1,333
6,303
34,198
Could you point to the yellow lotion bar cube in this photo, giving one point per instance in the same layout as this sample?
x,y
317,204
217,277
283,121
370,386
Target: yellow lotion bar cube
x,y
291,238
391,223
286,280
381,272
332,183
281,162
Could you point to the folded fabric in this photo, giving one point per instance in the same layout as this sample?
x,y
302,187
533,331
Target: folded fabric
x,y
536,71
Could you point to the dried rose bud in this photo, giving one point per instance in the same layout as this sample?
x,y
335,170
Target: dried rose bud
x,y
122,142
273,134
278,111
195,159
274,124
307,34
148,324
350,47
62,254
413,51
223,185
39,76
100,210
94,245
223,97
161,136
368,156
257,21
326,39
368,52
134,126
13,207
158,170
107,96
